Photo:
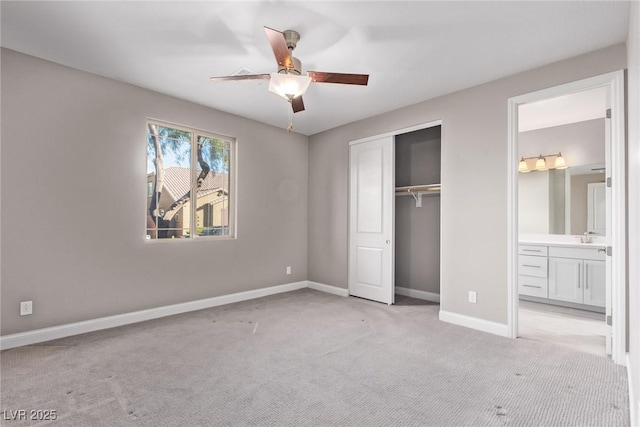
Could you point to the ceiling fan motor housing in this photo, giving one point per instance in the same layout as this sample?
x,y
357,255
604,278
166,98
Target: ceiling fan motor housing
x,y
291,37
297,67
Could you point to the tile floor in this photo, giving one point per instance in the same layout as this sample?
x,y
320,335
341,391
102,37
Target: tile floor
x,y
578,329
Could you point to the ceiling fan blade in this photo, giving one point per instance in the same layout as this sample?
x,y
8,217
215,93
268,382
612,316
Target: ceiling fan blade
x,y
297,104
279,46
346,79
241,77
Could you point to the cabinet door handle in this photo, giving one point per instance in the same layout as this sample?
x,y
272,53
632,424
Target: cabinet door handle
x,y
586,277
532,266
531,286
532,250
579,277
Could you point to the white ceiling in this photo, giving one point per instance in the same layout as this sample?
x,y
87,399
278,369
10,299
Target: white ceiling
x,y
413,51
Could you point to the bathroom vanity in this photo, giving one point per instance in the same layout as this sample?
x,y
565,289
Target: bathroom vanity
x,y
563,272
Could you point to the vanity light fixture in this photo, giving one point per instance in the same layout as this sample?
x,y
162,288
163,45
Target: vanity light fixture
x,y
560,163
541,163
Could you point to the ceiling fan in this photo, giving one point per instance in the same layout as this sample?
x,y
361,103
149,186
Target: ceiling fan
x,y
289,82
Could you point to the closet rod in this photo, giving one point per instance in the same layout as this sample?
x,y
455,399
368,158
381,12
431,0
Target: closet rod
x,y
430,188
417,191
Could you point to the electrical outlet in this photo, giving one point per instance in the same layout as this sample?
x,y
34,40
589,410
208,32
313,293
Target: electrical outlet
x,y
289,270
26,307
472,297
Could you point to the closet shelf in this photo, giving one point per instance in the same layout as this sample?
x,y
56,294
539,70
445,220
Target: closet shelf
x,y
417,191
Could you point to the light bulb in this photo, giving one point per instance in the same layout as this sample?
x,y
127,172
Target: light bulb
x,y
541,164
288,86
522,166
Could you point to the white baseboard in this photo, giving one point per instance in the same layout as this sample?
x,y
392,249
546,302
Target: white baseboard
x,y
414,293
55,332
634,403
328,289
475,323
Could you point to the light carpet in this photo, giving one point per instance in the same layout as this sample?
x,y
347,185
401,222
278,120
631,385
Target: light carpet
x,y
309,358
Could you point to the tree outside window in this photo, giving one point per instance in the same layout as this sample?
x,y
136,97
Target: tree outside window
x,y
188,183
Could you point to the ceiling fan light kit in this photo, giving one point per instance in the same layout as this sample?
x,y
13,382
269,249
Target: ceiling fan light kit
x,y
288,86
289,82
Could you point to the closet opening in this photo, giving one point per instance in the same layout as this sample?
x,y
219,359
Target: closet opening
x,y
417,214
394,215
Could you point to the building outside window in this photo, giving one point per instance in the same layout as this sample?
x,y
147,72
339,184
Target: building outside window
x,y
189,183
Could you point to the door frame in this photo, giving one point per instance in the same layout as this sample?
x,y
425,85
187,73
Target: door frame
x,y
393,134
614,84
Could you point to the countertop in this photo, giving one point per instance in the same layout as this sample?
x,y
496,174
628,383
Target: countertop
x,y
599,242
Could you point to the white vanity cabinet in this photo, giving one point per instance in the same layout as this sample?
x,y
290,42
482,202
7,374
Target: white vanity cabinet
x,y
563,274
577,275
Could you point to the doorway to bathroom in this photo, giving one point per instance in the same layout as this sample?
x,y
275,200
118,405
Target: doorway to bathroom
x,y
566,228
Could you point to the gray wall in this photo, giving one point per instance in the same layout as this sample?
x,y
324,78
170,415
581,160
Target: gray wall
x,y
73,154
580,143
558,203
474,181
417,238
74,194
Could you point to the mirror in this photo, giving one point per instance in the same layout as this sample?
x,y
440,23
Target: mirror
x,y
562,201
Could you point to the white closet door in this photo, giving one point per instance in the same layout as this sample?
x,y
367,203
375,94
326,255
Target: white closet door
x,y
371,226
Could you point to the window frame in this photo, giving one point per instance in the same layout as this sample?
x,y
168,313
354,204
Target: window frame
x,y
232,174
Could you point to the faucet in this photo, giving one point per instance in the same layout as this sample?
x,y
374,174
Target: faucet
x,y
586,238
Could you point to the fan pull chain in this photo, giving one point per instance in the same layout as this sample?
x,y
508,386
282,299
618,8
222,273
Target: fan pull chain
x,y
290,127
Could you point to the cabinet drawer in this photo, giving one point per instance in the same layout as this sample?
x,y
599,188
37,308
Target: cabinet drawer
x,y
532,250
577,253
533,286
532,266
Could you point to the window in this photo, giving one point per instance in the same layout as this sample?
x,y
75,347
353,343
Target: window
x,y
189,183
